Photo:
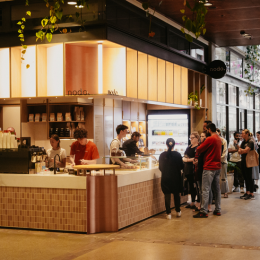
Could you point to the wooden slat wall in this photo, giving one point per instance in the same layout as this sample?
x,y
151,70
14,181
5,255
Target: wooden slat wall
x,y
131,73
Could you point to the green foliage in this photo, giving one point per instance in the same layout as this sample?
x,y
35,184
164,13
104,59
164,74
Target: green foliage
x,y
196,23
250,72
194,97
232,166
202,88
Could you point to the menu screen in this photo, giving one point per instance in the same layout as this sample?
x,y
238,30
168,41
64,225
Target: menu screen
x,y
162,127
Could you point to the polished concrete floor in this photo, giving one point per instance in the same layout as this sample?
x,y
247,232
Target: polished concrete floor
x,y
234,235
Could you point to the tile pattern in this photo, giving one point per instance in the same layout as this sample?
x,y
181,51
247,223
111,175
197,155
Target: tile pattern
x,y
140,201
43,208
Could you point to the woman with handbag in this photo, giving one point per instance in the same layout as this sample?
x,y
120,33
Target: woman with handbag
x,y
246,146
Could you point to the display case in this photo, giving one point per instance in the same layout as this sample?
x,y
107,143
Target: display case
x,y
141,162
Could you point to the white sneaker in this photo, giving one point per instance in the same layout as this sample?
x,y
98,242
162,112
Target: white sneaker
x,y
242,190
178,214
169,216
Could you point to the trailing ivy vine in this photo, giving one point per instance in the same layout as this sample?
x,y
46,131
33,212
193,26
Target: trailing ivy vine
x,y
196,23
251,59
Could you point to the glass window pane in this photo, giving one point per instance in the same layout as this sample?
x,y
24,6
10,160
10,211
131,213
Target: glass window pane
x,y
221,92
197,51
257,76
222,54
257,101
232,118
221,119
179,43
257,121
242,97
241,119
250,101
250,121
232,92
236,65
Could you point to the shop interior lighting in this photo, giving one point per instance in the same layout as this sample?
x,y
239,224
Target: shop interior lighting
x,y
245,35
207,4
71,3
100,68
79,6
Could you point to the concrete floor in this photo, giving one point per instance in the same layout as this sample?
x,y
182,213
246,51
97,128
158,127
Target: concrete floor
x,y
234,235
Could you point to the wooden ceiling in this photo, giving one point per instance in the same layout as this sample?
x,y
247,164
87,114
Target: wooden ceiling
x,y
224,21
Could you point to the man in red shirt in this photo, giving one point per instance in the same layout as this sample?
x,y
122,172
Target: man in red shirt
x,y
84,151
212,147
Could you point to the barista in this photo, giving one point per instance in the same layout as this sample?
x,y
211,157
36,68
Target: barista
x,y
56,149
115,145
130,146
83,151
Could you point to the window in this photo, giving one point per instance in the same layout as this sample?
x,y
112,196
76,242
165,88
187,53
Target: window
x,y
221,119
257,121
250,102
197,51
236,65
179,43
242,97
232,92
241,119
223,54
257,76
257,101
221,92
250,121
232,119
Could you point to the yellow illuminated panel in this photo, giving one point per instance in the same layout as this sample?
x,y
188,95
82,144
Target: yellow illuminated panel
x,y
131,73
4,73
161,80
184,85
142,76
169,82
152,78
177,84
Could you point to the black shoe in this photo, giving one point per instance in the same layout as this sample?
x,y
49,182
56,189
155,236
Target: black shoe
x,y
242,197
193,207
188,206
216,213
200,215
248,197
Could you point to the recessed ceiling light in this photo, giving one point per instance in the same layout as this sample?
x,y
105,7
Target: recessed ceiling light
x,y
72,3
79,6
207,4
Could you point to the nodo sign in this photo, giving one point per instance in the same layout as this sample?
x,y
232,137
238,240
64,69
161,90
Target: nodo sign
x,y
217,69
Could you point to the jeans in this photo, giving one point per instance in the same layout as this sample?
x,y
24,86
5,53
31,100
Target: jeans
x,y
199,185
210,179
177,202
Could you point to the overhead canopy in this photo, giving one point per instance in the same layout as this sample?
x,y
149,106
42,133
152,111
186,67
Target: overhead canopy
x,y
224,21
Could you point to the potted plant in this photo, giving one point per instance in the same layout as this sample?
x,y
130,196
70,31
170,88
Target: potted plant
x,y
194,97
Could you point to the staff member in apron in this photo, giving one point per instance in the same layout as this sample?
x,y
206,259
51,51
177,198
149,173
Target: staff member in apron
x,y
115,145
83,151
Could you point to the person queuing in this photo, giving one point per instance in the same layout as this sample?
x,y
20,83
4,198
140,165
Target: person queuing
x,y
246,146
83,151
236,159
115,145
198,174
189,168
171,164
206,122
223,173
56,149
212,147
130,147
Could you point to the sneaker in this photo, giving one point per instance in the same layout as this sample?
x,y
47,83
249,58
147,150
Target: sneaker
x,y
252,197
236,189
242,190
200,215
242,197
178,214
248,197
216,213
169,216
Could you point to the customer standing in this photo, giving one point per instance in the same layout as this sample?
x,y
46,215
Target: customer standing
x,y
258,143
188,159
171,164
236,158
246,146
211,171
130,147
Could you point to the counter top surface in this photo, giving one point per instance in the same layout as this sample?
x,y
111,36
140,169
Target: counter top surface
x,y
66,181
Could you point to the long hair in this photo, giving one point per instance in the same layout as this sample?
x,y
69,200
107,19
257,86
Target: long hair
x,y
170,143
56,138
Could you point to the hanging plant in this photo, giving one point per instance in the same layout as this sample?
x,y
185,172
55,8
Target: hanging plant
x,y
146,6
250,71
196,23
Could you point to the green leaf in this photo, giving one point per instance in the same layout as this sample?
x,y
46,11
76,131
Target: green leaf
x,y
27,66
40,35
188,24
182,11
188,37
204,31
77,15
24,46
23,19
59,14
56,5
182,29
19,31
22,26
44,22
184,18
19,23
188,5
49,37
24,51
29,13
22,39
22,58
21,35
53,19
145,5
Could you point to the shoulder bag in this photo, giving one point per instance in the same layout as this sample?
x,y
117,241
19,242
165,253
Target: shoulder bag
x,y
252,159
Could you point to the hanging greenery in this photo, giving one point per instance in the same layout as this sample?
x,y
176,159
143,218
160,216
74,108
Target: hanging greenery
x,y
146,6
250,71
196,23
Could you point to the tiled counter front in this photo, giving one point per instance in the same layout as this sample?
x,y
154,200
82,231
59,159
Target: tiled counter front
x,y
140,201
43,208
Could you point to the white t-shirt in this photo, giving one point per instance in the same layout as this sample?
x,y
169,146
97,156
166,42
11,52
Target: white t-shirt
x,y
51,153
234,157
115,145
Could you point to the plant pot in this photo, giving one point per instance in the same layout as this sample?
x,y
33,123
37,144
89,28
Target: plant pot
x,y
230,178
189,102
